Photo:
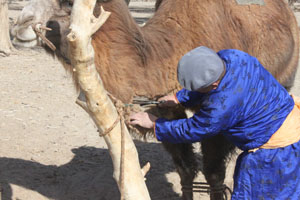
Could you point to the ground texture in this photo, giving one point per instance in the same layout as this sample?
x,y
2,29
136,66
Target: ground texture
x,y
49,147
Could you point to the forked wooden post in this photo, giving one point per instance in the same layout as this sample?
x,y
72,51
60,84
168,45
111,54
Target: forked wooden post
x,y
83,25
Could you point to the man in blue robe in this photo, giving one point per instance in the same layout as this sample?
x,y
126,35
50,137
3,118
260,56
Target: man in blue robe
x,y
240,99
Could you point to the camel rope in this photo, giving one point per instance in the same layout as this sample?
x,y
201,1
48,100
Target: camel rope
x,y
120,109
202,187
37,27
107,131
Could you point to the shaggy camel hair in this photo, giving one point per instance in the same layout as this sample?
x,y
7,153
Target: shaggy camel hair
x,y
142,61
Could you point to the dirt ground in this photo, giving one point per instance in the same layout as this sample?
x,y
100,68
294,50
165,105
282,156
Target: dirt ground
x,y
49,147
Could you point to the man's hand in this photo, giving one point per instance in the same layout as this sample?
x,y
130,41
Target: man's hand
x,y
168,101
142,119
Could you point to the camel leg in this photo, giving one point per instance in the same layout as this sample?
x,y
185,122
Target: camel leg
x,y
215,151
5,191
186,163
185,159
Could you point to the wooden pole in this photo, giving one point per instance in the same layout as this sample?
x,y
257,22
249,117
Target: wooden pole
x,y
83,25
5,43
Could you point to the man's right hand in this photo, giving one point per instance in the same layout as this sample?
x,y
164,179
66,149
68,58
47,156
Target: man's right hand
x,y
168,101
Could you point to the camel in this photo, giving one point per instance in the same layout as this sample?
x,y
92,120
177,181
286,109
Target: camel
x,y
138,61
23,32
38,11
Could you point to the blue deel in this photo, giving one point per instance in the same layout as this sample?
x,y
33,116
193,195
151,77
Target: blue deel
x,y
248,107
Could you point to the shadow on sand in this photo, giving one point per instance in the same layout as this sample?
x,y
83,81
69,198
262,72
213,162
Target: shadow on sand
x,y
87,176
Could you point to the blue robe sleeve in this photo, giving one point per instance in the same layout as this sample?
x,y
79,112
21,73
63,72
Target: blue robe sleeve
x,y
208,122
188,98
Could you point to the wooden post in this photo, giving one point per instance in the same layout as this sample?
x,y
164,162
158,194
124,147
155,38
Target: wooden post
x,y
83,25
5,43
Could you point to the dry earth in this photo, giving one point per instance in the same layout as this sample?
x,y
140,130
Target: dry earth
x,y
49,147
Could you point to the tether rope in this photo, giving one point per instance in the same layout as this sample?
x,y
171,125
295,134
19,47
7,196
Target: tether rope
x,y
37,27
202,187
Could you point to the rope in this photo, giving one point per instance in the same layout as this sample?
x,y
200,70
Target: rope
x,y
119,106
107,131
38,30
205,188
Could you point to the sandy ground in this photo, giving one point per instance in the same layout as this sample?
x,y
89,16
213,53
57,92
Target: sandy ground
x,y
49,147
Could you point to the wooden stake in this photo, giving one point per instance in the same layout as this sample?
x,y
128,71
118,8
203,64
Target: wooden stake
x,y
83,25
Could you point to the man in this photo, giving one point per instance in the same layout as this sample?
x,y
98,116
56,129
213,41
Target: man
x,y
243,101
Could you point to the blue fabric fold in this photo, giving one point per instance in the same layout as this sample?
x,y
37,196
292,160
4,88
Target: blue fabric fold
x,y
248,106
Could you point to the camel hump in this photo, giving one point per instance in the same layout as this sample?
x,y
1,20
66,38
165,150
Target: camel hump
x,y
249,2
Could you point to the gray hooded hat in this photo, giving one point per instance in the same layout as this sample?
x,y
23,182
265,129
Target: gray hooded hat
x,y
199,68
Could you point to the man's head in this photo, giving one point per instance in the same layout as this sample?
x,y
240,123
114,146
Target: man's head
x,y
200,70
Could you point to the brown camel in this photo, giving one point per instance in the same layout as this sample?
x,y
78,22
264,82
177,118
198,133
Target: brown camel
x,y
138,61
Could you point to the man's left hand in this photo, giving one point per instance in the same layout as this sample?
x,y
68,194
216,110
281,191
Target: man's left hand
x,y
142,119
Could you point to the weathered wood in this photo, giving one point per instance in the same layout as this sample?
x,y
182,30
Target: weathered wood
x,y
5,43
98,104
